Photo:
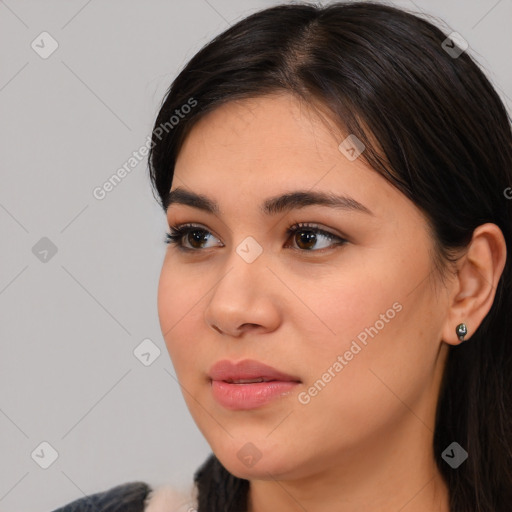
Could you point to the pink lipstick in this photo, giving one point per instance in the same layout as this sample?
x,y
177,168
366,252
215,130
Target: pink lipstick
x,y
248,384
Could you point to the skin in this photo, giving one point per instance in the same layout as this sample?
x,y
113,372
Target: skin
x,y
364,442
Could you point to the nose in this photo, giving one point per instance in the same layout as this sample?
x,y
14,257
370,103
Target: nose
x,y
244,298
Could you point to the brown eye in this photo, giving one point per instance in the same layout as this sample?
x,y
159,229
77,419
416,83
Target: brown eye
x,y
194,235
305,239
306,236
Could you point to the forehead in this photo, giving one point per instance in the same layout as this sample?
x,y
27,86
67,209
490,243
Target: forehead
x,y
252,150
277,123
270,137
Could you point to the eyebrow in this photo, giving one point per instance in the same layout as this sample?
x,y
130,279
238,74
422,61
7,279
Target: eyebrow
x,y
273,205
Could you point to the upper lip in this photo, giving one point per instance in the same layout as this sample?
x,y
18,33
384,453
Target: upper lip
x,y
247,369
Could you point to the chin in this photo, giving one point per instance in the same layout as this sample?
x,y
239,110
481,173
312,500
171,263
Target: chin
x,y
260,460
260,471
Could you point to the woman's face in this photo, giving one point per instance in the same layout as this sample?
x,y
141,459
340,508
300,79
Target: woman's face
x,y
358,323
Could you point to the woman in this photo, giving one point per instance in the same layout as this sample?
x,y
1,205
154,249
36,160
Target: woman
x,y
336,293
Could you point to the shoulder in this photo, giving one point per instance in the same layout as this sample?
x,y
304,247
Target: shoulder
x,y
172,499
136,497
128,497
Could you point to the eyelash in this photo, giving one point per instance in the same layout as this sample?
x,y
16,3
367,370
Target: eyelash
x,y
179,232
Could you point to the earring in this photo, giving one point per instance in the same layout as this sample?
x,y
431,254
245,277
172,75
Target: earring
x,y
461,330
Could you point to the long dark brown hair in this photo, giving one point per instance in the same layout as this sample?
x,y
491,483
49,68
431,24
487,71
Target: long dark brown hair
x,y
445,142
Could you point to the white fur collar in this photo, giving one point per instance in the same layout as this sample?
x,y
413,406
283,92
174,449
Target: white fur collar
x,y
171,499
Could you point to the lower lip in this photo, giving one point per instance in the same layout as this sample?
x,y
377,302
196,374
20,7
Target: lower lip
x,y
249,396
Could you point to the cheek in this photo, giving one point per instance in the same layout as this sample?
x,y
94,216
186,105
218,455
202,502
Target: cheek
x,y
357,305
360,329
370,339
180,314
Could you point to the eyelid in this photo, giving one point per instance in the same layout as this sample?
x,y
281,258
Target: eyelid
x,y
193,225
186,228
292,224
320,226
179,231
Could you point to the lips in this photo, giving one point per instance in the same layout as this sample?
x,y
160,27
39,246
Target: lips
x,y
249,384
247,371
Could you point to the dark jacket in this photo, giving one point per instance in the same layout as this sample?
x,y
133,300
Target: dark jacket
x,y
129,497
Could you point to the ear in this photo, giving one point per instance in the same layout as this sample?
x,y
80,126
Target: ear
x,y
474,288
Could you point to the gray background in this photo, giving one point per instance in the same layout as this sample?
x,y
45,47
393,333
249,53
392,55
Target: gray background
x,y
69,325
